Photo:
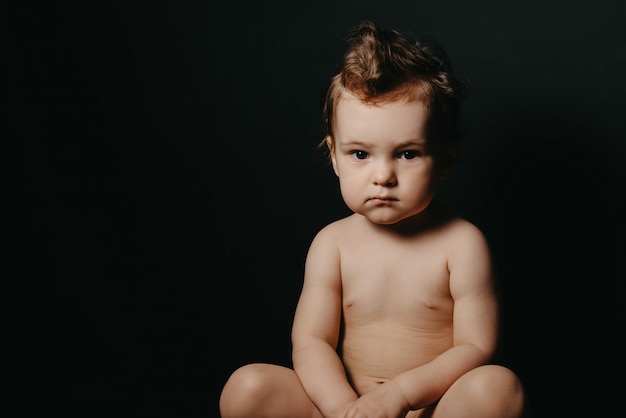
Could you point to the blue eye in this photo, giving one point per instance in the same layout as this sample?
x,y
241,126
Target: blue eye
x,y
359,155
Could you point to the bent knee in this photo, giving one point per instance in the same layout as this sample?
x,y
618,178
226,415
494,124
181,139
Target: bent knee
x,y
251,379
243,390
494,389
492,379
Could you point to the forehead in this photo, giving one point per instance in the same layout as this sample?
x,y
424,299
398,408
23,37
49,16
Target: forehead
x,y
398,119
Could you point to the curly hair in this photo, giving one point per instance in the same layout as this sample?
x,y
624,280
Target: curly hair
x,y
382,65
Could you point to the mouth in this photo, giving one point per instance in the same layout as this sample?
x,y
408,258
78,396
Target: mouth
x,y
382,199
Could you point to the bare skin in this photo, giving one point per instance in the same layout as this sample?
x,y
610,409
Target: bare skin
x,y
397,316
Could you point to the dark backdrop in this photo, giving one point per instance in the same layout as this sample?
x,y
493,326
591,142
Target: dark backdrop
x,y
170,187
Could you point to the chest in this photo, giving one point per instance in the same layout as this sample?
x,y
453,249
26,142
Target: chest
x,y
395,282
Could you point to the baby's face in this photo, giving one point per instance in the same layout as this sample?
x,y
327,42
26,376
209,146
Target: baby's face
x,y
386,172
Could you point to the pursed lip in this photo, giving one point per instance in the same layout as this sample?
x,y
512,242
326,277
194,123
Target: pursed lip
x,y
382,199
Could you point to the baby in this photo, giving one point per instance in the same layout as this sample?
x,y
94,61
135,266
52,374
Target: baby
x,y
398,314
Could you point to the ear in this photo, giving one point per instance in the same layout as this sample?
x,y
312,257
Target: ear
x,y
333,159
331,151
449,157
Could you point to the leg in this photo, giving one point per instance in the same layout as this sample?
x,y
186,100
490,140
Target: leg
x,y
265,391
487,392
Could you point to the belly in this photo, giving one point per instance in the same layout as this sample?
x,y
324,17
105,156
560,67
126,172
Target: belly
x,y
375,353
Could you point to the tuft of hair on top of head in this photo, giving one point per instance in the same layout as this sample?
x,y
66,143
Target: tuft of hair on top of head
x,y
382,65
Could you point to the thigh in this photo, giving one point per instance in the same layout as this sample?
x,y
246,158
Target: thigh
x,y
265,390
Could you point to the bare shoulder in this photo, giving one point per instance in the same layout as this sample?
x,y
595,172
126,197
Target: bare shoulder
x,y
464,231
446,222
334,231
461,236
467,245
323,257
324,248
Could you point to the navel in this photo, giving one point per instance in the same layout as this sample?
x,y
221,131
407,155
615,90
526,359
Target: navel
x,y
431,306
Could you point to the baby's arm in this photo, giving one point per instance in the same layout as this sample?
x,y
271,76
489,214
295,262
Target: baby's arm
x,y
316,327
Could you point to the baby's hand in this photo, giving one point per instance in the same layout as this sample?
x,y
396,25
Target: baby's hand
x,y
385,401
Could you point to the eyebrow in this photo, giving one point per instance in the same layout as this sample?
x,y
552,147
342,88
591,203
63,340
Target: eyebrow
x,y
408,143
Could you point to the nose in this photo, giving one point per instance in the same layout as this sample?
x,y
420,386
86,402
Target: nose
x,y
384,174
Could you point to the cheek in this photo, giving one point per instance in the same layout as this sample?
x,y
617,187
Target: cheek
x,y
350,185
347,183
343,170
423,180
352,194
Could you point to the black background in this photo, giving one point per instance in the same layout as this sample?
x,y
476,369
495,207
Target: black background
x,y
170,186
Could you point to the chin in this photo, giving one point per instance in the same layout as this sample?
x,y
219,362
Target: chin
x,y
394,218
384,220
